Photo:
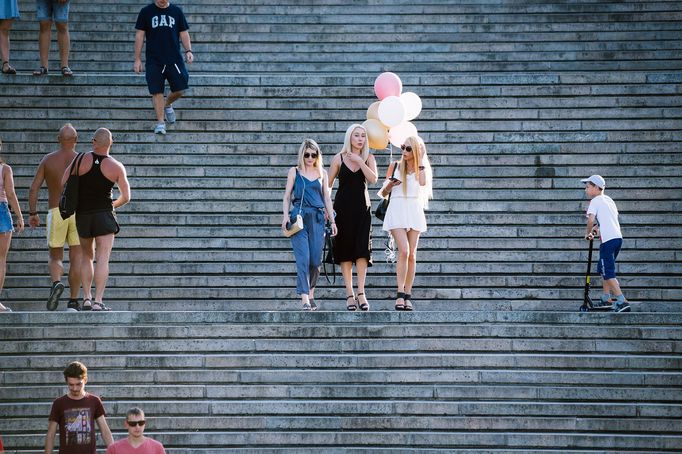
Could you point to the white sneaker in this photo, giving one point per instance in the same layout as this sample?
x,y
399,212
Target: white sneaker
x,y
170,115
160,129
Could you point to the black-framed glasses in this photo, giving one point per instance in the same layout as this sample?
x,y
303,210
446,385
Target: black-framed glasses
x,y
136,423
406,148
310,155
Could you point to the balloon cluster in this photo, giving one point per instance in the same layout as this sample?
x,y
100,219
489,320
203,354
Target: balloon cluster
x,y
389,119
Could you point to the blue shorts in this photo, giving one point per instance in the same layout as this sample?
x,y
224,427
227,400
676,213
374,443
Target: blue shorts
x,y
607,258
52,10
5,218
156,75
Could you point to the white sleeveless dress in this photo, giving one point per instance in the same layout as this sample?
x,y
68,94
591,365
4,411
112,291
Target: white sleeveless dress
x,y
406,211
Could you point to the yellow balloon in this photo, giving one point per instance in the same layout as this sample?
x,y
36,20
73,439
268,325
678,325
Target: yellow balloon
x,y
373,111
377,134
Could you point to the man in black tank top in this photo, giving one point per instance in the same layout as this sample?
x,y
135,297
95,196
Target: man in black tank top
x,y
95,219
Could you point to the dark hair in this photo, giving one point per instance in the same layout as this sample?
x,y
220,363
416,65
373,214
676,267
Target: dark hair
x,y
135,411
75,370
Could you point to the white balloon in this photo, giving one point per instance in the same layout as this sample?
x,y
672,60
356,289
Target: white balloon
x,y
391,111
397,135
413,105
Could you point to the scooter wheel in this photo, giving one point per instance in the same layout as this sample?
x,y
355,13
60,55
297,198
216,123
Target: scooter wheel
x,y
584,309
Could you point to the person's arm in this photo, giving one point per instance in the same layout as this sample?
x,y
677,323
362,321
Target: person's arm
x,y
286,200
334,170
139,41
421,173
388,187
123,187
189,55
12,196
105,431
369,168
590,227
326,191
49,438
38,179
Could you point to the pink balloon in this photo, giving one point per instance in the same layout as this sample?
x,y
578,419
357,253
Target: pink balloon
x,y
387,84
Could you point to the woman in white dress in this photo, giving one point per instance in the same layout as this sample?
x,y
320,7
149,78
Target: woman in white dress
x,y
408,182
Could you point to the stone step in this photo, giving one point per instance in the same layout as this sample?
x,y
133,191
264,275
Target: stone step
x,y
314,363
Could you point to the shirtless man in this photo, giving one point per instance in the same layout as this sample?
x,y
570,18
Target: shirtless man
x,y
59,231
95,218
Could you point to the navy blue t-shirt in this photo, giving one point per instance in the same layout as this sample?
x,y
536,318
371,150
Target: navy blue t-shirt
x,y
162,27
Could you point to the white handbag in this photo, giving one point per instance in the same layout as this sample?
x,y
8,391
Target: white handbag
x,y
297,225
293,228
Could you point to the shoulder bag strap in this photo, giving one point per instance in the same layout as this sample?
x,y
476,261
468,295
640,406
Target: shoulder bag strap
x,y
76,163
300,205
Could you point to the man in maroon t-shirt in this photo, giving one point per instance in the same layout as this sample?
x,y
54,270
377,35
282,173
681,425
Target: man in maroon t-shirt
x,y
75,415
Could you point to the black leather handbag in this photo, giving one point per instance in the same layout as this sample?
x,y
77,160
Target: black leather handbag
x,y
68,202
382,207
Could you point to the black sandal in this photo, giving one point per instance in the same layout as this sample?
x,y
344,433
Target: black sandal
x,y
307,307
313,306
87,304
99,307
9,69
363,306
351,307
400,306
66,71
42,71
408,302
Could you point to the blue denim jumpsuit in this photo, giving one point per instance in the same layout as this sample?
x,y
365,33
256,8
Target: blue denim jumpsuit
x,y
308,243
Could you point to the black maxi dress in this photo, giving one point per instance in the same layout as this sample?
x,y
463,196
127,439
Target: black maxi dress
x,y
353,217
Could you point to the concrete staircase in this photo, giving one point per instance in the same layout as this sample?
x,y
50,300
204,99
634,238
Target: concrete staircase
x,y
383,382
522,99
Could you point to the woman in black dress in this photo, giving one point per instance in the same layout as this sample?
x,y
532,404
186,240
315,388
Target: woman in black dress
x,y
354,167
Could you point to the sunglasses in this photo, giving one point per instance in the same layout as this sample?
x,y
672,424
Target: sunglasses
x,y
310,155
136,423
406,148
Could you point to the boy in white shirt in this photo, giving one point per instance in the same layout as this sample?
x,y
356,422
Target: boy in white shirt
x,y
603,210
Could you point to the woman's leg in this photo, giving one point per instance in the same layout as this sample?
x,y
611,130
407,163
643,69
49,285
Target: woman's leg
x,y
299,243
403,245
347,273
5,240
413,240
5,27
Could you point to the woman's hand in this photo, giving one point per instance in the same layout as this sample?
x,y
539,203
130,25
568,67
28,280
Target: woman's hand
x,y
285,221
335,230
355,158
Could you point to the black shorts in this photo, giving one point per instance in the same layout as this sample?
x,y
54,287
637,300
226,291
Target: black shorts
x,y
156,75
90,225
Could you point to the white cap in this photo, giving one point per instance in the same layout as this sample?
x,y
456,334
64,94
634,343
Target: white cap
x,y
596,180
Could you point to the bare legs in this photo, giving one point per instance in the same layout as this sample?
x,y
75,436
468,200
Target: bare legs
x,y
5,27
95,249
611,286
56,267
63,39
406,268
160,103
361,266
5,240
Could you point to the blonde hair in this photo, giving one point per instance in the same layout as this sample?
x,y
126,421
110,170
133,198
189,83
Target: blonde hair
x,y
426,191
364,153
310,144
